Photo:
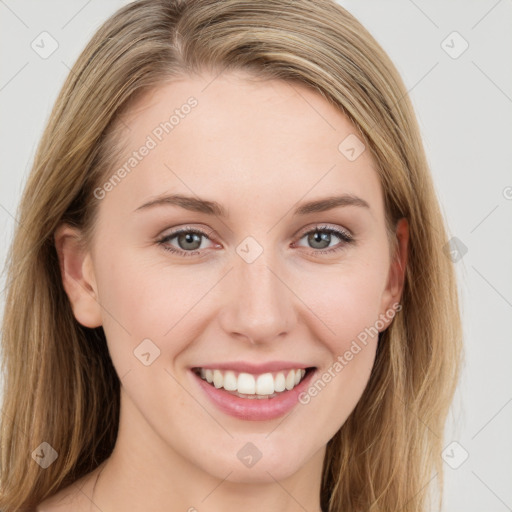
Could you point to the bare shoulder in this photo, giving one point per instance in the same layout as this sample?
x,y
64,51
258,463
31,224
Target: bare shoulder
x,y
73,498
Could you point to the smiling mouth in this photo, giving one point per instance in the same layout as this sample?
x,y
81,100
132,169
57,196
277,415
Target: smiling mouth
x,y
247,385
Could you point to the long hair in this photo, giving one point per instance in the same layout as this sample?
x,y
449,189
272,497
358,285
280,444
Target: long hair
x,y
60,384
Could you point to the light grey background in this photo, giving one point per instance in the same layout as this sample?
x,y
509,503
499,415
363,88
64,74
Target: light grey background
x,y
464,108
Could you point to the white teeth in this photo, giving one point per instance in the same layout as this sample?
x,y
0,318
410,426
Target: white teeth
x,y
290,380
230,381
246,384
218,380
262,385
265,384
279,382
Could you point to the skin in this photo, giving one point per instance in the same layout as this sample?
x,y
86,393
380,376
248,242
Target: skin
x,y
260,149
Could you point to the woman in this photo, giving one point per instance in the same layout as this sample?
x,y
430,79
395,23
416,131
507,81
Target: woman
x,y
303,351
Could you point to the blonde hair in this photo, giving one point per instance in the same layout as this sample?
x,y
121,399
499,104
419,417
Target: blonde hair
x,y
60,384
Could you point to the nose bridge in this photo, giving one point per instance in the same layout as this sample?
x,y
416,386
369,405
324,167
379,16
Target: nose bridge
x,y
260,305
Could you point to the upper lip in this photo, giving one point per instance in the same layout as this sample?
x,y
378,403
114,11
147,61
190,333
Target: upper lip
x,y
256,369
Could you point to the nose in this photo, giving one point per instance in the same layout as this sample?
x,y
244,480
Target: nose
x,y
258,303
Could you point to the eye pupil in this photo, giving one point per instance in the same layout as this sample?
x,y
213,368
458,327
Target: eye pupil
x,y
320,237
189,238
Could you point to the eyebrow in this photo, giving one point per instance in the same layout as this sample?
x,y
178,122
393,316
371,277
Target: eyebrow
x,y
196,204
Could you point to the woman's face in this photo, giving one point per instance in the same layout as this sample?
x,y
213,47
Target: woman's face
x,y
248,288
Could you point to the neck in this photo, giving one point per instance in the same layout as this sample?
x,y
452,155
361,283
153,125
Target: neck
x,y
145,473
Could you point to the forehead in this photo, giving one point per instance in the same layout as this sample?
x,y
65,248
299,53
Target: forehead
x,y
262,139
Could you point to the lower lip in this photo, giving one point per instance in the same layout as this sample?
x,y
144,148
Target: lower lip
x,y
254,409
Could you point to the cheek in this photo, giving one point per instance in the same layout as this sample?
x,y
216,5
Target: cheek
x,y
144,299
346,300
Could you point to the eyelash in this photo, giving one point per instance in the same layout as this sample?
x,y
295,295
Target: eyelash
x,y
343,235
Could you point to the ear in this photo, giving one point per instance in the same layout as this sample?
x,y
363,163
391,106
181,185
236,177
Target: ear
x,y
396,277
78,278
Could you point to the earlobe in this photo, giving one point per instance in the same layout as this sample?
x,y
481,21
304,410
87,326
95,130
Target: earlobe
x,y
397,269
77,273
